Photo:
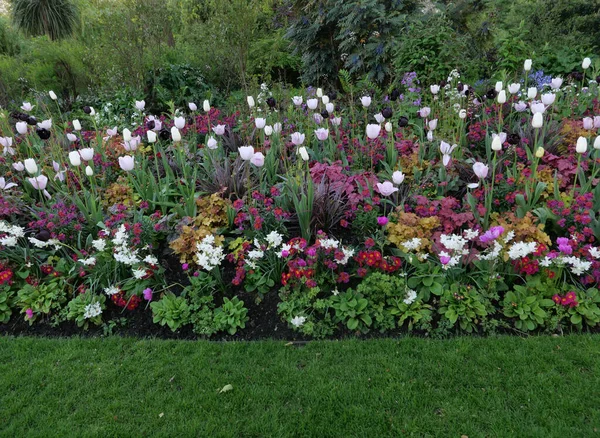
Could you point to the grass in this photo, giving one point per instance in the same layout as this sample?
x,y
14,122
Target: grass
x,y
494,387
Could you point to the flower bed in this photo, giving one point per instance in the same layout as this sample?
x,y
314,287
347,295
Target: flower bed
x,y
441,209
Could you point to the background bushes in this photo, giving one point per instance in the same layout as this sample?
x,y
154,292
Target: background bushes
x,y
178,50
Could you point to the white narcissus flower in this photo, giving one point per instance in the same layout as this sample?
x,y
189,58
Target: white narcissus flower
x,y
151,136
298,321
175,134
179,122
312,103
303,153
258,159
250,101
89,171
322,134
373,131
126,162
538,120
260,123
365,101
480,170
586,63
21,127
386,188
246,152
397,177
211,143
30,166
87,153
581,147
192,106
297,100
140,105
206,106
298,138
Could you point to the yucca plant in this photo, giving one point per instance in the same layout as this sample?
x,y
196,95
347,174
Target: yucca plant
x,y
54,18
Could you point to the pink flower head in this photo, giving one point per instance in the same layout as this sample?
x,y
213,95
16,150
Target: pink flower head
x,y
563,245
445,260
29,313
382,221
147,294
185,266
491,234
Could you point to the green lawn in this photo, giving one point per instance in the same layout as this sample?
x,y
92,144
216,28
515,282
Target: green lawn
x,y
494,387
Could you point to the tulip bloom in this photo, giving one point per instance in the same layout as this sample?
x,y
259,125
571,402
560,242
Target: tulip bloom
x,y
151,136
246,152
398,177
219,129
514,88
179,122
192,106
527,65
277,127
260,123
297,138
373,131
386,188
6,143
480,170
53,95
365,101
435,89
76,125
27,106
71,137
520,106
379,117
258,159
539,153
330,107
87,153
499,86
206,106
537,108
433,124
596,143
268,130
18,166
336,121
548,98
319,92
175,134
126,162
250,101
537,121
74,158
297,100
133,144
325,100
586,63
39,183
532,92
462,114
588,123
21,127
303,153
322,134
425,111
140,105
581,147
4,185
211,143
312,103
112,132
388,126
30,166
556,83
502,97
126,134
89,171
496,143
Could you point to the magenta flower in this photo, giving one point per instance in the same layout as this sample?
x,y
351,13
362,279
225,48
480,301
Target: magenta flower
x,y
445,260
382,220
148,294
563,245
185,266
29,313
491,234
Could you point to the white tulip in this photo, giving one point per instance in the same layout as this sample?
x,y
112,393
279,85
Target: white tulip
x,y
30,166
246,152
496,143
538,120
175,134
527,65
586,63
312,103
21,127
211,143
303,153
206,106
151,136
319,92
89,171
581,146
499,86
179,122
53,95
250,101
325,100
502,97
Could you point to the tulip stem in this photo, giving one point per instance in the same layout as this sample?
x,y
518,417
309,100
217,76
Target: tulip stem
x,y
575,180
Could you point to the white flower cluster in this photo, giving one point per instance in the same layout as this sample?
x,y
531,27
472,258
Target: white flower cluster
x,y
209,256
41,244
13,233
90,261
595,252
298,321
111,290
411,296
578,266
411,245
521,249
92,310
122,250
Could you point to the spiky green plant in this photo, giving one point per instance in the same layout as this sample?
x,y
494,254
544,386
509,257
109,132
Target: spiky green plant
x,y
54,18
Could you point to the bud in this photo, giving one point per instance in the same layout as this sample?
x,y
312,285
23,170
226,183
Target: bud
x,y
319,92
538,120
497,143
581,146
250,101
586,63
527,65
502,97
89,171
53,95
206,106
539,153
76,125
151,136
388,126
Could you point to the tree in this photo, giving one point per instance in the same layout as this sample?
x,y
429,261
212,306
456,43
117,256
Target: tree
x,y
54,18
